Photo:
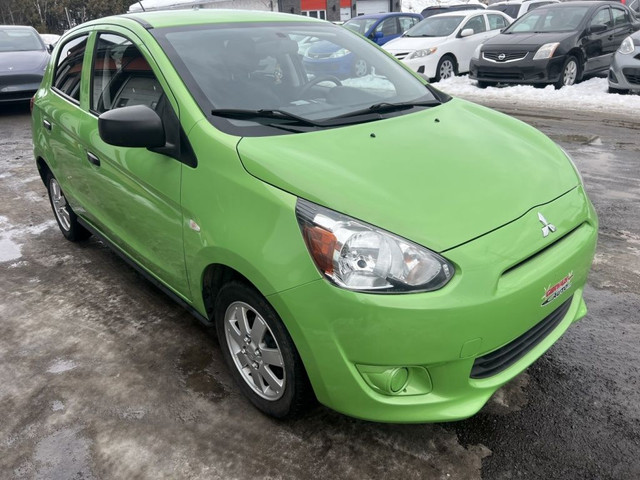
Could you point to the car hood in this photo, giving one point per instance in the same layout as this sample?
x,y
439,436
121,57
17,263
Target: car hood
x,y
31,61
518,40
439,177
407,44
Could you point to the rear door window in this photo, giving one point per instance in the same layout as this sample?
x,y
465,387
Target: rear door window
x,y
68,72
496,22
476,24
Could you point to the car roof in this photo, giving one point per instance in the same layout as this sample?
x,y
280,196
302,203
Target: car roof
x,y
460,13
469,6
384,15
178,18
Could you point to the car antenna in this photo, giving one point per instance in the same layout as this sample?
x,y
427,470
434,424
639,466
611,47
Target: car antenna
x,y
141,6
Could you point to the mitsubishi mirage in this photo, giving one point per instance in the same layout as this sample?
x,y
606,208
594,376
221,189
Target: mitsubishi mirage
x,y
368,242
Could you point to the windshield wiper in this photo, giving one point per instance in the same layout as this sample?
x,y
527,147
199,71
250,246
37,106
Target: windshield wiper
x,y
386,107
242,114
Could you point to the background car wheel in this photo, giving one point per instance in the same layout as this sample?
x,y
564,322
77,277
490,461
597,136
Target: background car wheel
x,y
360,68
618,91
66,218
570,73
483,84
259,352
447,68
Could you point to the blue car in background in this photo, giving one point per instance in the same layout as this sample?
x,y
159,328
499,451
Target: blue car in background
x,y
325,58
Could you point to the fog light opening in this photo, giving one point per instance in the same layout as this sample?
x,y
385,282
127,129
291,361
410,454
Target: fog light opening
x,y
399,380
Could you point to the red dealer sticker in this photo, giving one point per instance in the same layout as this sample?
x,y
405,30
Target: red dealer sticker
x,y
554,291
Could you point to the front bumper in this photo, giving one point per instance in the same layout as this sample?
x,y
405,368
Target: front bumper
x,y
522,71
624,72
493,299
18,87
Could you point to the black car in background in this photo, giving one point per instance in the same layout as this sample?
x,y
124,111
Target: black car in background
x,y
556,44
23,58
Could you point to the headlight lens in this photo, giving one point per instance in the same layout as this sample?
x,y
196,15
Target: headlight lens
x,y
476,53
546,51
423,53
627,46
340,53
358,256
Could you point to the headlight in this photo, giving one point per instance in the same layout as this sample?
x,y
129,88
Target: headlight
x,y
476,53
358,256
627,46
423,53
340,53
546,51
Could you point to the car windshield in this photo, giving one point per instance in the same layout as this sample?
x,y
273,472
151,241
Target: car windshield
x,y
19,40
436,26
546,20
259,68
511,10
360,25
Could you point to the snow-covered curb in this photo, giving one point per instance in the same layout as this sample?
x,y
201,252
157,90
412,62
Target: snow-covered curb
x,y
591,95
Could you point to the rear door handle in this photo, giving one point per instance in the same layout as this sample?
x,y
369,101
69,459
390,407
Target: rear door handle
x,y
93,159
47,124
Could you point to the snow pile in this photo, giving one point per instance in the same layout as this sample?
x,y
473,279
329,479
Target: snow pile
x,y
591,95
416,6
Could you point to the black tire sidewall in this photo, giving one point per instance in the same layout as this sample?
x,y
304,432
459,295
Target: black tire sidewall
x,y
560,83
288,403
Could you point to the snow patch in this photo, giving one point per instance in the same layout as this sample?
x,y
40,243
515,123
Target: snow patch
x,y
57,405
10,249
61,365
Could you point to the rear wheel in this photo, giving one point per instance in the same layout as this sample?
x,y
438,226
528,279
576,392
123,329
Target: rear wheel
x,y
570,73
447,68
65,216
360,68
259,351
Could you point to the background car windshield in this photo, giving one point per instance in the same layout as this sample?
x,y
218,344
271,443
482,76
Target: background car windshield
x,y
511,10
542,20
435,27
360,25
263,67
19,40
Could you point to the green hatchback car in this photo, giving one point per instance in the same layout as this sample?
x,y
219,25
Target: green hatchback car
x,y
371,242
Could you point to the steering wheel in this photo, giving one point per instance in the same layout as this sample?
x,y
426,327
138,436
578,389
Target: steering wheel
x,y
325,78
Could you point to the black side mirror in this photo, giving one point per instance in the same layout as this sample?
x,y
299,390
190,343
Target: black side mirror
x,y
50,47
135,126
598,28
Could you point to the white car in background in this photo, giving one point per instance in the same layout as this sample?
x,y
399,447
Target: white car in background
x,y
516,8
441,46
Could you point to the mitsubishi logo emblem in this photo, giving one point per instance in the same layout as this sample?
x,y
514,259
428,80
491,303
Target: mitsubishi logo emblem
x,y
502,56
546,226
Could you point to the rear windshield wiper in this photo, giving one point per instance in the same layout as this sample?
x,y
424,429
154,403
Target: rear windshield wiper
x,y
242,114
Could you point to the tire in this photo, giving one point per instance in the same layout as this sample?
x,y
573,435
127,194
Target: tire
x,y
570,74
360,68
65,216
619,91
483,84
447,68
276,383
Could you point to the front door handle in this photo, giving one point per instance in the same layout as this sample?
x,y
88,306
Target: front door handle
x,y
46,124
93,159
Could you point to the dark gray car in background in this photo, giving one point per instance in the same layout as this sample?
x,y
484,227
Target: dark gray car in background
x,y
23,58
624,73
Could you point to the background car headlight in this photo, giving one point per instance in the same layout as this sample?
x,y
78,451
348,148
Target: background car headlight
x,y
423,53
627,46
476,52
358,256
546,51
340,53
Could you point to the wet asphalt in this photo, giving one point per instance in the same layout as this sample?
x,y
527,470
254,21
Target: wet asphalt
x,y
102,376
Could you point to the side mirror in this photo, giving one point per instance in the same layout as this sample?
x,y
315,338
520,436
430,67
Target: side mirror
x,y
135,126
597,28
50,47
467,32
378,35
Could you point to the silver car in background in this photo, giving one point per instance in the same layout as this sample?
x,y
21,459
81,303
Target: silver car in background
x,y
624,72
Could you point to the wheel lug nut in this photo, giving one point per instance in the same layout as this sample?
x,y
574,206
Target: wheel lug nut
x,y
255,365
244,350
257,352
247,340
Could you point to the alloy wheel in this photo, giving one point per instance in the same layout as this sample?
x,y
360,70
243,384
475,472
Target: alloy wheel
x,y
446,69
255,351
570,73
60,205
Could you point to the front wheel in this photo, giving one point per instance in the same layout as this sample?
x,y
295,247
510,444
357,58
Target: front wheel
x,y
570,73
360,68
446,68
65,216
259,351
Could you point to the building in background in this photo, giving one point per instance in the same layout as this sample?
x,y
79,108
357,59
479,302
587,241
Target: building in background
x,y
332,10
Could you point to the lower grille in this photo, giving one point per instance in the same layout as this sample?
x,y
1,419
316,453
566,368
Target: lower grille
x,y
500,75
632,75
494,362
